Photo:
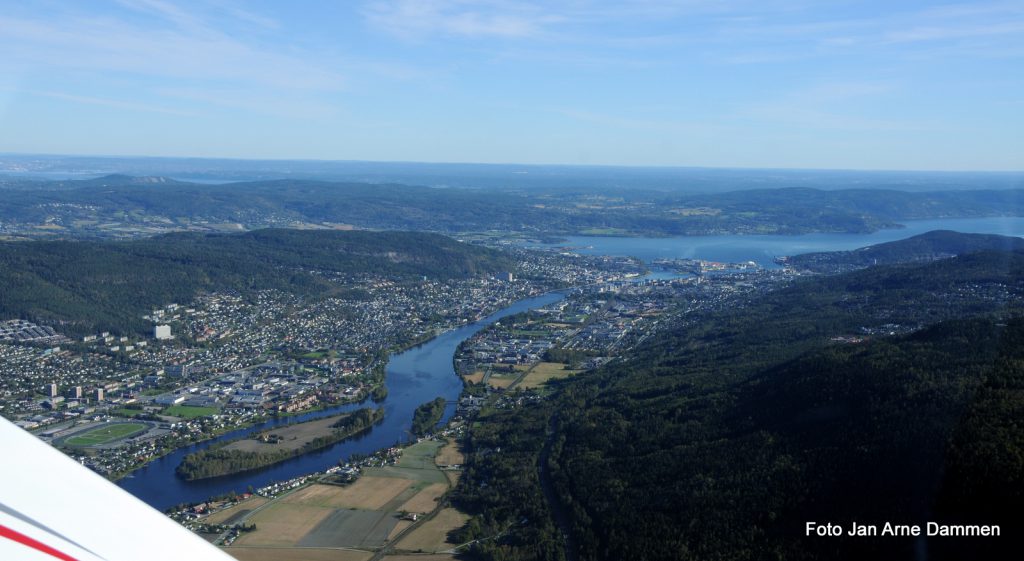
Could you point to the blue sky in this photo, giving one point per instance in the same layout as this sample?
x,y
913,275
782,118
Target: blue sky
x,y
765,83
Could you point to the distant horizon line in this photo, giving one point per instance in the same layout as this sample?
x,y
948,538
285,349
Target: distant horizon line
x,y
500,164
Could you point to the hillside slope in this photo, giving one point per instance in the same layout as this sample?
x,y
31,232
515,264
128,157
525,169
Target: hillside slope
x,y
937,244
720,438
84,286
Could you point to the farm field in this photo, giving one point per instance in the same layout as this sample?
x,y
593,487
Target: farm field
x,y
295,554
190,411
453,478
544,371
420,557
367,493
283,524
416,464
450,455
420,455
248,505
432,536
108,432
399,528
426,500
352,528
365,514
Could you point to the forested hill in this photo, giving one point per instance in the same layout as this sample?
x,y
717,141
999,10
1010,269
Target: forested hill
x,y
120,206
721,438
83,286
937,244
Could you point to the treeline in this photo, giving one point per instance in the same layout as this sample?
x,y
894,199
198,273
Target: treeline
x,y
500,488
937,244
217,461
571,357
83,287
358,420
426,416
722,438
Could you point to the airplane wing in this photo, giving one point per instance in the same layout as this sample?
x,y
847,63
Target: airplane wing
x,y
51,507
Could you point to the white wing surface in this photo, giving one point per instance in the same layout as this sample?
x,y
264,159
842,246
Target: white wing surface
x,y
51,507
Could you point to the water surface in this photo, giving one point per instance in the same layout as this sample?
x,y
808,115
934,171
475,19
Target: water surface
x,y
414,377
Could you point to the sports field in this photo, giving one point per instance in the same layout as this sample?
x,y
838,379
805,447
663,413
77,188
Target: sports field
x,y
107,432
502,381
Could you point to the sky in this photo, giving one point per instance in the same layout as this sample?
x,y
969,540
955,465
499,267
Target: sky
x,y
856,84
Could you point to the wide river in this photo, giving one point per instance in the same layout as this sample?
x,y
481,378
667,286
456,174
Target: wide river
x,y
414,377
425,372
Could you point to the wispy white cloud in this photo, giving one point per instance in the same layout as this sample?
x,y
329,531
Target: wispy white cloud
x,y
831,106
975,9
274,103
165,10
104,102
947,32
467,18
670,126
578,59
187,49
896,31
530,19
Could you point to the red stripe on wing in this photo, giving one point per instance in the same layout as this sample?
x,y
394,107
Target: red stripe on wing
x,y
34,544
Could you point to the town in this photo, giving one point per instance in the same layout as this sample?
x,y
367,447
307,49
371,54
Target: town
x,y
228,360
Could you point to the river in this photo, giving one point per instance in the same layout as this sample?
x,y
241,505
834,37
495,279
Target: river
x,y
413,377
425,372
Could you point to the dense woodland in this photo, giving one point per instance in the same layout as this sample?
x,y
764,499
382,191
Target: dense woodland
x,y
82,287
938,244
426,416
216,461
501,488
719,439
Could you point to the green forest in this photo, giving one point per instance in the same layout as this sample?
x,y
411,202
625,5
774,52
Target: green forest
x,y
82,287
426,416
721,438
937,244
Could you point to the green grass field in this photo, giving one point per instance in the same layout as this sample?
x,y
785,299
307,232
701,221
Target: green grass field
x,y
544,371
106,433
603,232
190,412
